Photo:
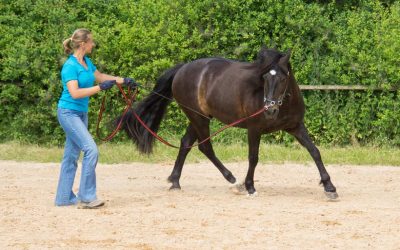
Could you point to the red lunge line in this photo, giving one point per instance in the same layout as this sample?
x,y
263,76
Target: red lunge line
x,y
129,101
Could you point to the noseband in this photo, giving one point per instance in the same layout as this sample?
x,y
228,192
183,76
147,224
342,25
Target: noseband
x,y
273,103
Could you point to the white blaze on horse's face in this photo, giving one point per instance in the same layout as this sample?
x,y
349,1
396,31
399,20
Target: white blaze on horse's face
x,y
271,82
275,84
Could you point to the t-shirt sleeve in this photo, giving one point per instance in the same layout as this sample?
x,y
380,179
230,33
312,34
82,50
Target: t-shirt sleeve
x,y
69,73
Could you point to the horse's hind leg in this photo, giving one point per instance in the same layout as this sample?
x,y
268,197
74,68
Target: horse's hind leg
x,y
187,140
301,134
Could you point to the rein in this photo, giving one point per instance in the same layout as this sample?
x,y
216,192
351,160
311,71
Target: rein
x,y
130,98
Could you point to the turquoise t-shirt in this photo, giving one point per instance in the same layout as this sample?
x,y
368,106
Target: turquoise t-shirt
x,y
73,70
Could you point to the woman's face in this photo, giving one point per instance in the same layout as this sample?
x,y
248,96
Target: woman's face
x,y
89,45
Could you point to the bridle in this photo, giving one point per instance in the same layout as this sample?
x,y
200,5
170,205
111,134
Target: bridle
x,y
270,103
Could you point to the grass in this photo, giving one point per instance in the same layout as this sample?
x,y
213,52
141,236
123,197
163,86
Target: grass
x,y
126,152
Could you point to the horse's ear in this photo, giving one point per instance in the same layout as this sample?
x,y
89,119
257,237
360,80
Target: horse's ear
x,y
284,61
289,52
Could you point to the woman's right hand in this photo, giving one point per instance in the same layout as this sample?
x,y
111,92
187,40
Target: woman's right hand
x,y
107,84
130,82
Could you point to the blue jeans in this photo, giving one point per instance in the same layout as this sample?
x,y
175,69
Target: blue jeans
x,y
78,138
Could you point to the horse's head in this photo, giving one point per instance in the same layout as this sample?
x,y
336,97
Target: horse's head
x,y
276,81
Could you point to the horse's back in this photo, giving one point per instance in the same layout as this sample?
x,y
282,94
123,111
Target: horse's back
x,y
193,70
212,86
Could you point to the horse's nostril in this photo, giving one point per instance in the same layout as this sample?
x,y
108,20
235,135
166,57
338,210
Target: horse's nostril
x,y
272,111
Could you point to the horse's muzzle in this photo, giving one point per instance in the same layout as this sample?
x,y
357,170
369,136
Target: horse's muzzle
x,y
272,112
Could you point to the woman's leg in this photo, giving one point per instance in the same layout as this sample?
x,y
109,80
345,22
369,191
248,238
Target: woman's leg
x,y
87,187
65,195
74,124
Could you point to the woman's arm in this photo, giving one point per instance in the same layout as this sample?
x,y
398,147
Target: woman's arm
x,y
77,92
101,77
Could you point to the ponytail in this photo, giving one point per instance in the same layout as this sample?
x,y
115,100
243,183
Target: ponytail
x,y
67,46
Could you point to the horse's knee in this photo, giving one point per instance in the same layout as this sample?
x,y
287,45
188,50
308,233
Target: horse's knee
x,y
186,142
315,152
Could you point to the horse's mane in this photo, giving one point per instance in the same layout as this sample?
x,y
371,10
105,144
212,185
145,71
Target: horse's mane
x,y
266,57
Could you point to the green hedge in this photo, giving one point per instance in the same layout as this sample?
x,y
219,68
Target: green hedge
x,y
350,43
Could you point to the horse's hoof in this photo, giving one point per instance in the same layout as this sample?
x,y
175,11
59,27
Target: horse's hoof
x,y
175,186
332,195
231,178
255,194
238,188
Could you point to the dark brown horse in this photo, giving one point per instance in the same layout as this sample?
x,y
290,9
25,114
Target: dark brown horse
x,y
228,90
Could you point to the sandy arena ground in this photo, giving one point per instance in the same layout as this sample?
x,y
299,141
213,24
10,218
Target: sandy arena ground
x,y
290,212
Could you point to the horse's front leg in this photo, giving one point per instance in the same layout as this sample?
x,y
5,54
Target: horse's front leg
x,y
254,145
301,134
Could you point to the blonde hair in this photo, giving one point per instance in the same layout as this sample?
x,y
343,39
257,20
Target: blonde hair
x,y
74,42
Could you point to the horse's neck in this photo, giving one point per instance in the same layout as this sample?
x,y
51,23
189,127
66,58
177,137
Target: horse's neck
x,y
293,91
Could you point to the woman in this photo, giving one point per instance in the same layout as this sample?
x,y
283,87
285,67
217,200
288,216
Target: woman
x,y
78,75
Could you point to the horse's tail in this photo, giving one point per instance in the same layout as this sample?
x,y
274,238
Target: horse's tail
x,y
151,110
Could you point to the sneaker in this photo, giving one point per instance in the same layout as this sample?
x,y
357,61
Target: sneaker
x,y
90,205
